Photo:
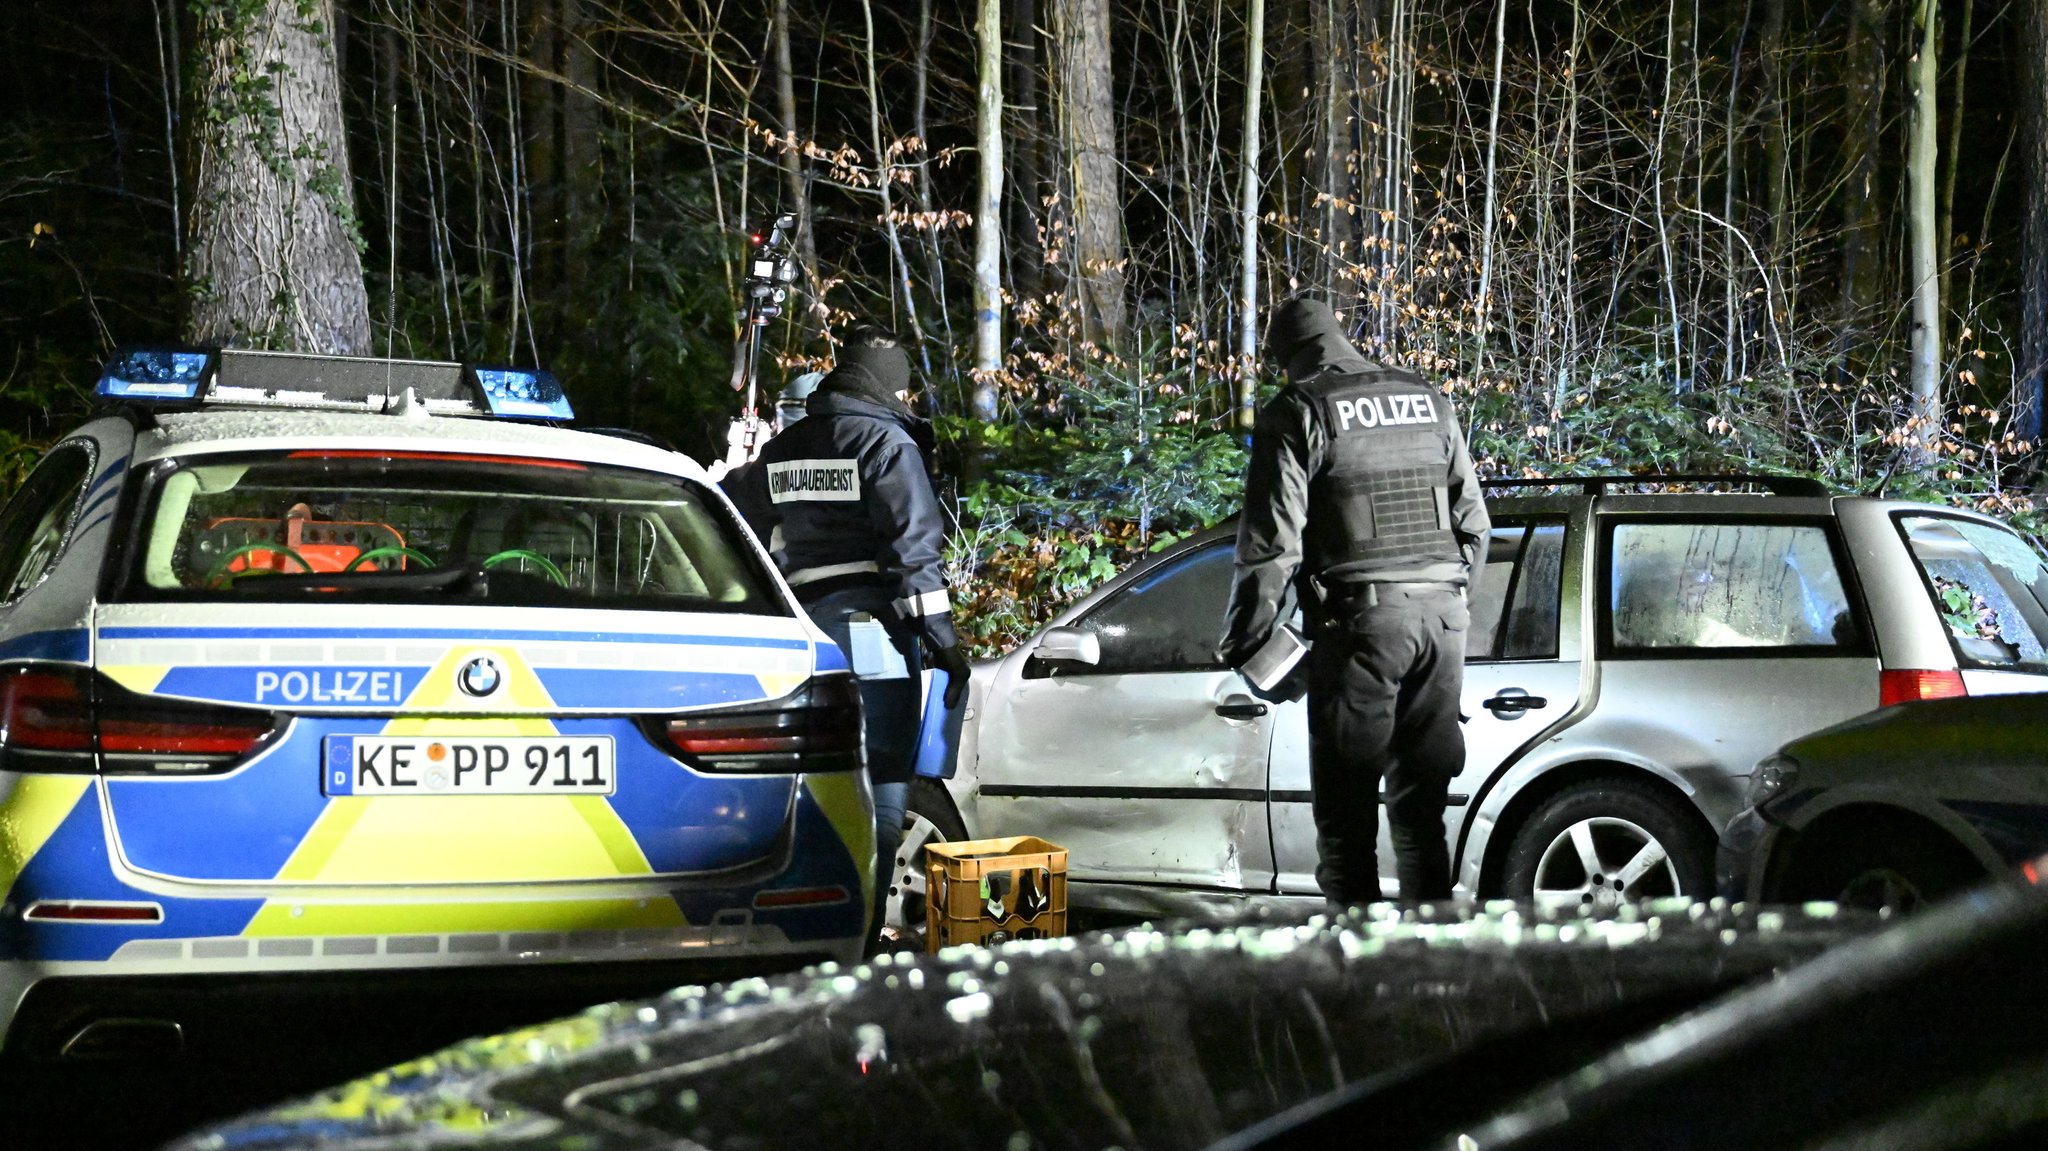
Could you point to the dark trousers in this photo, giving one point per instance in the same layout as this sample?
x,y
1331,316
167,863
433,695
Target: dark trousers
x,y
1384,679
890,718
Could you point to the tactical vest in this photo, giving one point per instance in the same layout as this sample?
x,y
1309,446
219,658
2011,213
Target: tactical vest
x,y
1381,505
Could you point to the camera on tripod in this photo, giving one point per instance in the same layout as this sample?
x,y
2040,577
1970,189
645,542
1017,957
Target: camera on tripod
x,y
771,269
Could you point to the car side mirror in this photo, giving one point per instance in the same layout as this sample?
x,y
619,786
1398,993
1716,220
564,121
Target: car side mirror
x,y
1066,649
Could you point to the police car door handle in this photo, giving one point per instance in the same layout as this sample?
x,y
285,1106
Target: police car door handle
x,y
1511,702
1240,707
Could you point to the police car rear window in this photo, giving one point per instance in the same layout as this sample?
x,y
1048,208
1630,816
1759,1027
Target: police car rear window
x,y
437,526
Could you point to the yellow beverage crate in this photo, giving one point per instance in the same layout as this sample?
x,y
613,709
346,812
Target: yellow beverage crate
x,y
992,890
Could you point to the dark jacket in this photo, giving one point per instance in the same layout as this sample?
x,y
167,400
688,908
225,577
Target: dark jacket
x,y
1309,496
842,497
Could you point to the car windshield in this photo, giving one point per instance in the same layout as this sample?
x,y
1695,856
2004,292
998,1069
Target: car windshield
x,y
1988,585
426,526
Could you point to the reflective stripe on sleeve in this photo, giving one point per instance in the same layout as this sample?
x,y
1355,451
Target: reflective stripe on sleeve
x,y
924,604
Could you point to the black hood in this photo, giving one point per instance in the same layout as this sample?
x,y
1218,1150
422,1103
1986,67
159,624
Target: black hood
x,y
865,383
871,374
1304,337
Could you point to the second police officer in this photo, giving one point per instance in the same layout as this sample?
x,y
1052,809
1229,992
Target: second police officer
x,y
845,505
1360,496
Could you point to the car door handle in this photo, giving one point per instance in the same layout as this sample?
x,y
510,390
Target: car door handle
x,y
1512,702
1240,709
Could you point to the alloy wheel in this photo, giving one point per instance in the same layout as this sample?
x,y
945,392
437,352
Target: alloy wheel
x,y
1595,864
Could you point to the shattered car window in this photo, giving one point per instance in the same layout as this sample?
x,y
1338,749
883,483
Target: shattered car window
x,y
1988,585
1726,585
434,525
1166,621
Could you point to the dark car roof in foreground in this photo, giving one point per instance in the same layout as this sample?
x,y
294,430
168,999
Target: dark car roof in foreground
x,y
1144,1038
2011,728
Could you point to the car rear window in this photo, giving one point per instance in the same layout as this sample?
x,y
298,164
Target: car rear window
x,y
1727,586
1989,587
434,526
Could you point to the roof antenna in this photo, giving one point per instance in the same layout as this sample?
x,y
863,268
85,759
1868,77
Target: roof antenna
x,y
391,284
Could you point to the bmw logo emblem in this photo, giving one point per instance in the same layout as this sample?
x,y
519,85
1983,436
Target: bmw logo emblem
x,y
479,676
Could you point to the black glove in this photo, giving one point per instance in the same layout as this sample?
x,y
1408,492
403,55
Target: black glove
x,y
953,661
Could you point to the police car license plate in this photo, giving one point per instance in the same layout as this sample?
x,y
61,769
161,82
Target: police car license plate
x,y
468,765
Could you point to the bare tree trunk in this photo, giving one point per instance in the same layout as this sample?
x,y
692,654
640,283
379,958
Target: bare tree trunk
x,y
928,218
1680,380
1771,112
274,258
1248,216
168,56
1945,234
2028,383
1862,142
1331,42
988,212
1088,131
793,175
1571,209
1500,42
1921,157
885,179
1026,128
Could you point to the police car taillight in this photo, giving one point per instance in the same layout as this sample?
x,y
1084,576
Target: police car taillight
x,y
817,728
45,720
141,733
57,719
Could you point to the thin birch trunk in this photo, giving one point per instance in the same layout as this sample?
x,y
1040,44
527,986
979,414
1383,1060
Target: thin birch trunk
x,y
1248,217
928,219
1500,48
1922,221
988,215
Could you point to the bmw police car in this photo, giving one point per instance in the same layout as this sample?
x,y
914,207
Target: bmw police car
x,y
310,663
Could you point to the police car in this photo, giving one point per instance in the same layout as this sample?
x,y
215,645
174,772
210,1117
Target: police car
x,y
325,664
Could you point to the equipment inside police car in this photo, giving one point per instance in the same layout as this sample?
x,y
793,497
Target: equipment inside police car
x,y
771,268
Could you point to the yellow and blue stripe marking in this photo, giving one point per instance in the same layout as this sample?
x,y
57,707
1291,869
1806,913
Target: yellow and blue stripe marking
x,y
343,864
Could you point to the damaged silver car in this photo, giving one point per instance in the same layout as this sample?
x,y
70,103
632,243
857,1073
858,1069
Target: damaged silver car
x,y
1638,644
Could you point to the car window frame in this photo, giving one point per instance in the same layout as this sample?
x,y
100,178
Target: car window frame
x,y
1932,598
1831,528
67,535
1529,521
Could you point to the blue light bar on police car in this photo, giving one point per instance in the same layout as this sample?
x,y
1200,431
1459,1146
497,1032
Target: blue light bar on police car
x,y
531,393
157,373
236,377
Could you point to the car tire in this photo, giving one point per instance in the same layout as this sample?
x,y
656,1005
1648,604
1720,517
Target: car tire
x,y
1895,870
1596,844
928,817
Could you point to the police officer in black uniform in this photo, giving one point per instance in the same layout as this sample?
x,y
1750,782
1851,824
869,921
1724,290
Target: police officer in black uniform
x,y
844,503
1360,497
